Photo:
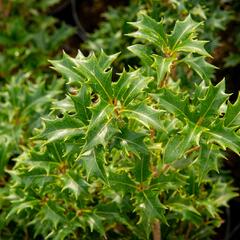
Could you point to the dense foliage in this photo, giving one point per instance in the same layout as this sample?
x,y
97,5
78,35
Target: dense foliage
x,y
127,155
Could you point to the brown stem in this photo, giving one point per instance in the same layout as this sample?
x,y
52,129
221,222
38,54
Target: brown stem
x,y
156,230
188,231
193,149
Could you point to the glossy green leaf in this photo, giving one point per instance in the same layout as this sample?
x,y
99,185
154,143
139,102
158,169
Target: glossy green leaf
x,y
232,115
149,30
146,115
162,66
129,86
143,52
94,163
200,66
207,160
62,128
182,30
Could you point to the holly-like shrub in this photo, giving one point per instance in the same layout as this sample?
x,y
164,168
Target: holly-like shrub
x,y
132,155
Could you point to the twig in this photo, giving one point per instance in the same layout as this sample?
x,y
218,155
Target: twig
x,y
156,230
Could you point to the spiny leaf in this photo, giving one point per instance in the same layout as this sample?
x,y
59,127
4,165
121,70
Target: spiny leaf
x,y
150,30
81,102
121,182
141,168
232,115
94,163
200,66
149,207
99,128
99,78
66,66
182,30
179,144
75,184
95,223
53,213
210,104
225,137
144,114
162,66
105,61
129,85
173,103
207,160
187,210
132,141
168,181
193,46
62,128
143,52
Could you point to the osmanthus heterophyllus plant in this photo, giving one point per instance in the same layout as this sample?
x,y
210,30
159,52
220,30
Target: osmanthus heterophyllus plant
x,y
123,156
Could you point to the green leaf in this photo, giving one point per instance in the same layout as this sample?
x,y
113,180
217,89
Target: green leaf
x,y
182,30
207,160
210,104
121,182
149,30
129,86
162,66
95,223
193,46
105,61
22,205
232,115
179,144
143,52
74,184
187,210
168,181
53,213
200,66
99,78
94,163
221,193
225,137
66,66
99,128
61,129
173,103
145,115
132,141
141,168
81,102
149,208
